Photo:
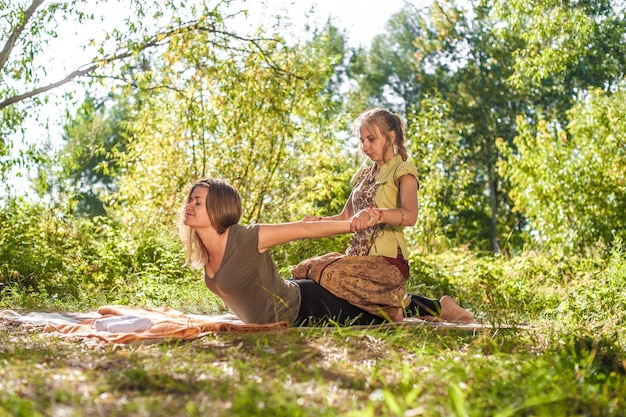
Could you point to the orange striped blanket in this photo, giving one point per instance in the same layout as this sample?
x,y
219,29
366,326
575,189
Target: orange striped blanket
x,y
167,324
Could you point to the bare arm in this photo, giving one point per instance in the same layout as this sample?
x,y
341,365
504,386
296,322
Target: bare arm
x,y
275,234
406,215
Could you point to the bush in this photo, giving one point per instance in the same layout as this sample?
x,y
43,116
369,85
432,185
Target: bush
x,y
47,259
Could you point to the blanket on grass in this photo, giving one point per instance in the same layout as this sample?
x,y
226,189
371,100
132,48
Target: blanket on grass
x,y
166,324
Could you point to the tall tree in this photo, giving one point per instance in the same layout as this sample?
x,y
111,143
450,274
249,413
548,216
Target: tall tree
x,y
473,66
223,110
457,56
75,178
387,73
574,55
485,63
569,47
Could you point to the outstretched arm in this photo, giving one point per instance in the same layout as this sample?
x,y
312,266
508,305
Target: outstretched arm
x,y
275,234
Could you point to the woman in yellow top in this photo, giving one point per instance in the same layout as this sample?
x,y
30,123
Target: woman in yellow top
x,y
389,186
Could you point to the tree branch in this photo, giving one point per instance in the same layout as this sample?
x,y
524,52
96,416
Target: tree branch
x,y
8,46
156,40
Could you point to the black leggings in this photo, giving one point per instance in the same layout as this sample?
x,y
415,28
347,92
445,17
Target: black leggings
x,y
422,306
319,306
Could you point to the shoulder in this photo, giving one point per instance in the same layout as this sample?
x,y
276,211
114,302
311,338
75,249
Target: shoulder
x,y
404,168
240,234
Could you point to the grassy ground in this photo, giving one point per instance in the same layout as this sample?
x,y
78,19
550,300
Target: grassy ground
x,y
569,361
321,372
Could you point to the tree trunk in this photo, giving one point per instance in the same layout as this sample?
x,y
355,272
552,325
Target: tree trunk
x,y
493,196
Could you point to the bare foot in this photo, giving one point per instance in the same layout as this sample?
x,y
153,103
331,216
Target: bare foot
x,y
452,312
399,316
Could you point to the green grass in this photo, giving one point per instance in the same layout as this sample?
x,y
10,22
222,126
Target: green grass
x,y
321,372
568,360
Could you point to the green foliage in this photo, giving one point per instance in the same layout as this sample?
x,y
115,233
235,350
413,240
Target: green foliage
x,y
569,183
115,53
478,110
530,288
27,30
76,178
10,119
447,206
569,47
237,116
37,247
388,74
593,299
47,260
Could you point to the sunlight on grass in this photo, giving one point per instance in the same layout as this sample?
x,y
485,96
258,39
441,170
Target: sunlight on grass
x,y
567,358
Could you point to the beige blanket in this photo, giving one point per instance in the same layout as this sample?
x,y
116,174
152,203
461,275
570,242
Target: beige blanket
x,y
167,324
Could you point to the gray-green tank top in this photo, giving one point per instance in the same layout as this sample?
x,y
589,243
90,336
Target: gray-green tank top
x,y
248,282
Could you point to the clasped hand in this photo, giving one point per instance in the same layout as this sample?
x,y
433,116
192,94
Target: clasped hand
x,y
365,218
361,220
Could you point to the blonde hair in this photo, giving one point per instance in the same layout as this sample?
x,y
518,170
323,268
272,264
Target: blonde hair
x,y
223,206
386,122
